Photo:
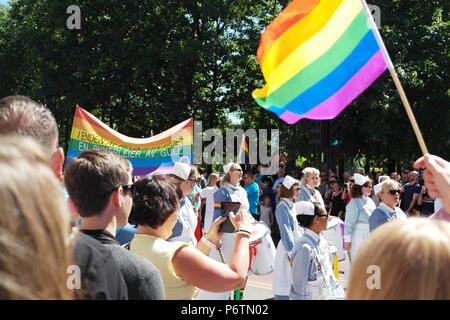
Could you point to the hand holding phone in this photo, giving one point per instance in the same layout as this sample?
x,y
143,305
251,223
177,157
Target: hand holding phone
x,y
226,207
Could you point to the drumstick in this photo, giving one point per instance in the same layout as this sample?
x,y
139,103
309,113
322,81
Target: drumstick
x,y
222,257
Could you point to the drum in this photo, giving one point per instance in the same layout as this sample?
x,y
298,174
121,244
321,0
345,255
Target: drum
x,y
262,249
335,235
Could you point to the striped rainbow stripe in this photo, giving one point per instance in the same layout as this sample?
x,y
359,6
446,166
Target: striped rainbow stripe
x,y
147,155
217,205
317,56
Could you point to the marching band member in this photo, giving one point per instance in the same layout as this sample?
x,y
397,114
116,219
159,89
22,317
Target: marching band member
x,y
229,190
290,233
312,271
310,180
357,214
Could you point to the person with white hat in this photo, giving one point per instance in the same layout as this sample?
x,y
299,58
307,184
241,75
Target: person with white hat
x,y
229,191
184,229
290,233
312,271
358,212
387,210
308,191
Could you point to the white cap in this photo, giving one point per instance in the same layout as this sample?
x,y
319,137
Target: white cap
x,y
360,179
309,169
377,188
305,208
289,181
227,167
181,170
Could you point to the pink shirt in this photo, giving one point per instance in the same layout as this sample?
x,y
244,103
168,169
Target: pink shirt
x,y
441,215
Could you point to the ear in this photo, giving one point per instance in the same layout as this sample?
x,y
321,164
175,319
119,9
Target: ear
x,y
57,162
116,198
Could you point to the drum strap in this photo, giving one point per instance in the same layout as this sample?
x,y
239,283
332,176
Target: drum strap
x,y
253,251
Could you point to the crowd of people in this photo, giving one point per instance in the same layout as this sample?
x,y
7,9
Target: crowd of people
x,y
93,231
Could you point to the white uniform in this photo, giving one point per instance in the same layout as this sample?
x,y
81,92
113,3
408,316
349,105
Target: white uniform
x,y
290,233
312,272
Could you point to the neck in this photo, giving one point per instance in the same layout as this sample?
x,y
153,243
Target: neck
x,y
315,229
234,183
103,221
151,232
390,206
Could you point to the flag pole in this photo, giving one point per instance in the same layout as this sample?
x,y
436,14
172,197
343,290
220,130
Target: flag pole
x,y
394,75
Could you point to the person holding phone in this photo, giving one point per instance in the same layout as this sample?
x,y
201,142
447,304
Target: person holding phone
x,y
230,191
290,233
183,267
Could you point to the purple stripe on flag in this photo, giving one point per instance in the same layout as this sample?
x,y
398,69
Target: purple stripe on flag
x,y
331,107
142,171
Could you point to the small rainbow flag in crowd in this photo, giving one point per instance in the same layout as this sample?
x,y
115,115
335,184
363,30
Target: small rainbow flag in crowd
x,y
156,154
317,56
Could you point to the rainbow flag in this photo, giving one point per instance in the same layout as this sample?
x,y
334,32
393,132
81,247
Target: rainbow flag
x,y
317,56
147,155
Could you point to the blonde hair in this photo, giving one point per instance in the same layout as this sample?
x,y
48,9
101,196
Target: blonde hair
x,y
307,172
226,179
34,224
389,184
412,256
212,175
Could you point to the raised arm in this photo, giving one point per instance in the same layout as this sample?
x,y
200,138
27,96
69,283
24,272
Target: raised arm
x,y
205,273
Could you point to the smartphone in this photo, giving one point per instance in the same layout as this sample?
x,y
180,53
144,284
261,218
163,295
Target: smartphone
x,y
226,207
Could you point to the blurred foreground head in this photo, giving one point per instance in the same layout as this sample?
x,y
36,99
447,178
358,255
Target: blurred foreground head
x,y
34,228
403,260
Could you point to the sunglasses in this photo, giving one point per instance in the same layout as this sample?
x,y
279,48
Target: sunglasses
x,y
393,192
323,215
239,170
195,180
126,188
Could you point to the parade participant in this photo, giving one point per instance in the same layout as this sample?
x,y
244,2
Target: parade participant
x,y
387,210
99,183
230,190
357,213
377,189
310,181
34,238
184,230
208,194
410,193
312,271
183,267
290,233
405,260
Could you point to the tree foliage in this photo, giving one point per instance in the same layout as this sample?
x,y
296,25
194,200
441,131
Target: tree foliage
x,y
147,65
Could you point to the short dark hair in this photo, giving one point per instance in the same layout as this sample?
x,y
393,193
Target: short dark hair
x,y
155,199
306,221
21,115
92,176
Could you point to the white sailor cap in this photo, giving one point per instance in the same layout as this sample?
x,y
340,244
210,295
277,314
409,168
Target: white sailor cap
x,y
289,181
377,188
181,170
305,208
227,167
360,179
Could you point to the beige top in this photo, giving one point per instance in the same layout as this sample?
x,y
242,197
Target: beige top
x,y
160,253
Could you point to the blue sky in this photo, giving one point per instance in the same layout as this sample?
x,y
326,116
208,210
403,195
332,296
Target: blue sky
x,y
4,1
